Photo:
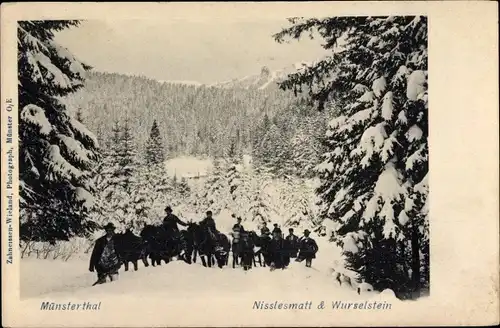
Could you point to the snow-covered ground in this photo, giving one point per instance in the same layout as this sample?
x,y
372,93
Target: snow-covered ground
x,y
188,167
182,294
40,278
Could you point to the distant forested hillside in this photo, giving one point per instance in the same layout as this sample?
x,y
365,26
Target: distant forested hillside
x,y
201,120
195,120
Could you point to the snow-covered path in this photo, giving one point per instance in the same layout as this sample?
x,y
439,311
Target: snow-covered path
x,y
54,278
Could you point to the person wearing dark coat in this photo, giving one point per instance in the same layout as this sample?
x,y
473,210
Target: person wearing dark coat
x,y
277,230
246,251
170,224
238,226
264,231
171,221
293,243
236,233
105,258
278,249
307,249
209,223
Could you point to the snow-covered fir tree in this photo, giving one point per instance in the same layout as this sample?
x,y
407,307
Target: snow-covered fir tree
x,y
374,174
182,188
153,190
216,188
126,186
235,152
258,132
57,152
233,180
273,153
242,189
155,152
261,207
290,142
106,175
126,156
296,203
307,145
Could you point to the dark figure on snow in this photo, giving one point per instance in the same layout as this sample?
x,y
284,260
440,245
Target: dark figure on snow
x,y
264,231
261,244
236,234
277,230
210,244
293,243
278,250
307,249
208,224
130,248
170,223
246,251
105,259
238,226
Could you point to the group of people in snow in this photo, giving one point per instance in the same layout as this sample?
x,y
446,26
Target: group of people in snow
x,y
280,249
106,261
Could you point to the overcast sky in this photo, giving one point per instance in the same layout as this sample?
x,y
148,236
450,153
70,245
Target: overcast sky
x,y
175,49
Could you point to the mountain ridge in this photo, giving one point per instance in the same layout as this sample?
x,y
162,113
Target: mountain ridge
x,y
266,79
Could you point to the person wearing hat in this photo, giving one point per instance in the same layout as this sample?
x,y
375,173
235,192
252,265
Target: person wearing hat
x,y
105,259
171,221
278,251
292,241
208,223
307,249
277,230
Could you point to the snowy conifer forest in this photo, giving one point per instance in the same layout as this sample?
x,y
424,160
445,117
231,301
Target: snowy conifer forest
x,y
337,146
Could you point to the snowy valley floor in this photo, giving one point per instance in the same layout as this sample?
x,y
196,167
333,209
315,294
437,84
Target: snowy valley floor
x,y
55,278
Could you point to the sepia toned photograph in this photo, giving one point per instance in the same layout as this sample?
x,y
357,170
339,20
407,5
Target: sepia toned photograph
x,y
303,161
279,162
